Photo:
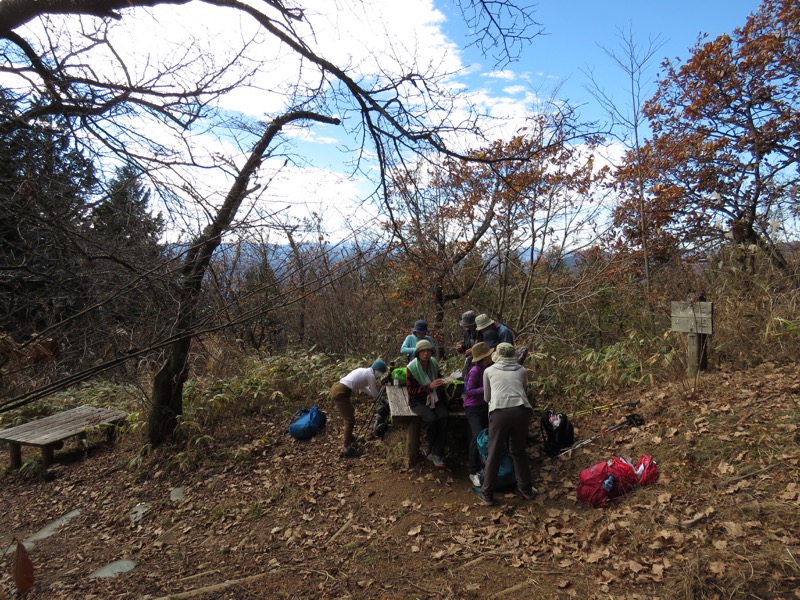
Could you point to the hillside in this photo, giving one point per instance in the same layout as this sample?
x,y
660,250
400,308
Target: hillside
x,y
263,516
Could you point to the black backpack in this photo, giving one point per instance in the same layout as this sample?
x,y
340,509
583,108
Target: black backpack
x,y
557,432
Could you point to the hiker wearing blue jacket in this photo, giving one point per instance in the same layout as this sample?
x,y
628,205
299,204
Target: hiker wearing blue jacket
x,y
505,386
363,379
487,325
418,333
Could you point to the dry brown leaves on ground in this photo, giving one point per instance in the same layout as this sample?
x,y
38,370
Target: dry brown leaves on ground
x,y
265,516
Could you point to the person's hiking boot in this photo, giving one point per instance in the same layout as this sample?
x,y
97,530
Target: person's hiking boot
x,y
527,494
475,478
437,461
352,452
486,499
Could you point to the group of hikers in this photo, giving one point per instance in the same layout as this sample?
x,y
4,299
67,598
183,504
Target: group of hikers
x,y
495,397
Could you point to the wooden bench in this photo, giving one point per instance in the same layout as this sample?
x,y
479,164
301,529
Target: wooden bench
x,y
50,432
403,416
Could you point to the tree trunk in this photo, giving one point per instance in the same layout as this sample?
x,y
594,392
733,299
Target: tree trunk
x,y
168,393
167,400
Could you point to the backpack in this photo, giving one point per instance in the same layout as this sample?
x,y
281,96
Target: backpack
x,y
614,478
625,479
521,354
646,470
454,394
505,474
557,432
595,484
306,422
382,413
399,376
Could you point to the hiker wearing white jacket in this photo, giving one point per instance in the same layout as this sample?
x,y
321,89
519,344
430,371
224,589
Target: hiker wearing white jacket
x,y
505,386
363,380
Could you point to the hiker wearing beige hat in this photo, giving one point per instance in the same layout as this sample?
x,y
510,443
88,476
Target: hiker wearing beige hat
x,y
484,324
505,389
475,408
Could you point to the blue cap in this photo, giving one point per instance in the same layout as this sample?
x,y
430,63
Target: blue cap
x,y
379,366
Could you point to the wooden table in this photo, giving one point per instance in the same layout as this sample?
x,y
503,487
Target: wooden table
x,y
50,432
403,416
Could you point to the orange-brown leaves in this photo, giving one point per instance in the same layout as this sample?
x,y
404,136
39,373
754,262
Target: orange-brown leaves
x,y
22,567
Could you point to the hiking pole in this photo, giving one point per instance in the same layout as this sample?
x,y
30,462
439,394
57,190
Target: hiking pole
x,y
359,435
632,420
586,411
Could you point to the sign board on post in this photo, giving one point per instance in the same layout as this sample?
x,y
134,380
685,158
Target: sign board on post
x,y
693,317
697,320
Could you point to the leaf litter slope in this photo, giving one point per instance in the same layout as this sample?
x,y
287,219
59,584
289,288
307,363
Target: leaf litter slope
x,y
267,517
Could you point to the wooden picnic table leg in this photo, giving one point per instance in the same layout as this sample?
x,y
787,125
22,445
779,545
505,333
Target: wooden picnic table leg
x,y
412,441
47,455
16,455
112,431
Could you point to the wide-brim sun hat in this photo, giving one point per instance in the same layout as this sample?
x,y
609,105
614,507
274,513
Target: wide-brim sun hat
x,y
468,318
504,352
423,345
480,351
421,326
482,322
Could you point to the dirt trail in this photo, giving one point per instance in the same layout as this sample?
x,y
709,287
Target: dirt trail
x,y
265,516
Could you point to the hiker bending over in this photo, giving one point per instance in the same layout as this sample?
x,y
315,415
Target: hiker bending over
x,y
422,382
419,332
488,326
363,379
475,408
505,390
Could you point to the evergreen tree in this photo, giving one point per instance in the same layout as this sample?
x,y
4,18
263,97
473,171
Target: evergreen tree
x,y
45,182
123,217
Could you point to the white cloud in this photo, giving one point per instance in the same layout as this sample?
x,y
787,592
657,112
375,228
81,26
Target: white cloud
x,y
370,37
504,74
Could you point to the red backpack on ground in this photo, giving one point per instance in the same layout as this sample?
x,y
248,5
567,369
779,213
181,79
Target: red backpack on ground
x,y
595,484
613,478
647,470
625,479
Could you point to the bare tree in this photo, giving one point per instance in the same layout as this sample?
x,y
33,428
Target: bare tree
x,y
628,120
113,106
464,222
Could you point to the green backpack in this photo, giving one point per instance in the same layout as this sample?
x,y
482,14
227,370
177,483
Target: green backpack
x,y
399,376
454,390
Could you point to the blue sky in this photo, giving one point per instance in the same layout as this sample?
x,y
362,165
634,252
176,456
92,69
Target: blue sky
x,y
373,36
575,30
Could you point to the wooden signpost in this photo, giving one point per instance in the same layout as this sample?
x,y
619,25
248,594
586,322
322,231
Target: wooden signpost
x,y
697,320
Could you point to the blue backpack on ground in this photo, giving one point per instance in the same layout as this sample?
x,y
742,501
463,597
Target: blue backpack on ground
x,y
505,474
306,422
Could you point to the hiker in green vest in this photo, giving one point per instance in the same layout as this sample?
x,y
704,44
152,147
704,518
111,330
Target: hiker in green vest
x,y
423,382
